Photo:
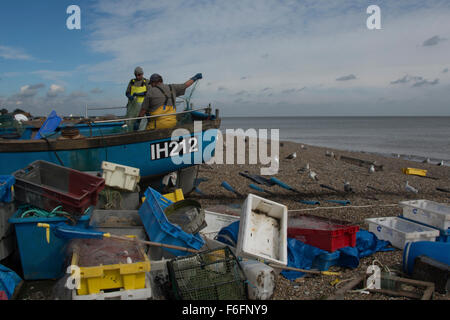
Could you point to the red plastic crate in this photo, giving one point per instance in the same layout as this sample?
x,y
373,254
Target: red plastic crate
x,y
323,233
46,185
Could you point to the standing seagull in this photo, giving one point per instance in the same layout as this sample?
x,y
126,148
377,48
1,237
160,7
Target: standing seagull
x,y
313,176
441,163
292,156
410,188
372,169
347,187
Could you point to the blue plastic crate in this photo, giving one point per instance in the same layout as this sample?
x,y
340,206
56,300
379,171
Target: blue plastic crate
x,y
444,235
324,261
42,260
6,182
158,227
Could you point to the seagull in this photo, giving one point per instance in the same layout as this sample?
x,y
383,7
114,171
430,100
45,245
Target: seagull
x,y
313,176
347,187
307,166
410,188
427,160
372,169
292,156
302,146
441,163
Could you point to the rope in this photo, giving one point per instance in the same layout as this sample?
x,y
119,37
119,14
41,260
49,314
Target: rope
x,y
367,206
30,211
113,198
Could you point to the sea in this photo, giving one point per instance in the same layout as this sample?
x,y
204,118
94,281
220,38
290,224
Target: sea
x,y
412,138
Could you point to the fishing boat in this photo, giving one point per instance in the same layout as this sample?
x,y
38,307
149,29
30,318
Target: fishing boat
x,y
84,143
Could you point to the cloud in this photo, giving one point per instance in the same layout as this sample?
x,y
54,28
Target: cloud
x,y
29,91
77,94
265,89
445,70
244,78
221,89
52,75
433,41
10,53
416,81
55,90
240,93
96,91
346,78
425,83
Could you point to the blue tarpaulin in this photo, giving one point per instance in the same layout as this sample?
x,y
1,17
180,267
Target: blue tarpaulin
x,y
49,125
8,280
304,256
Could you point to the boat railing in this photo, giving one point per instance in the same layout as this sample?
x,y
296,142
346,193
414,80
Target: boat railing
x,y
178,101
207,109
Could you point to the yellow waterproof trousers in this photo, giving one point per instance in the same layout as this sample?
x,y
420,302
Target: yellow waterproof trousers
x,y
165,122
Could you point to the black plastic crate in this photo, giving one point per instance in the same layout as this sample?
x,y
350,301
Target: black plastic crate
x,y
209,275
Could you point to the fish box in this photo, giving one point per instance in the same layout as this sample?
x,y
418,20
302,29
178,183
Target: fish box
x,y
120,176
323,233
415,172
429,212
263,230
215,222
46,185
400,231
109,264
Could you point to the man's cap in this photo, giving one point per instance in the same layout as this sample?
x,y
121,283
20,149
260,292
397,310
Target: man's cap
x,y
138,70
156,78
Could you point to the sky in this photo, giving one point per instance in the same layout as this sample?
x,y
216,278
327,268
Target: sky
x,y
258,58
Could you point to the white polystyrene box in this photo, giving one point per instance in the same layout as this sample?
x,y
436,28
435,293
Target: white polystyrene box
x,y
399,231
120,176
428,212
261,279
263,230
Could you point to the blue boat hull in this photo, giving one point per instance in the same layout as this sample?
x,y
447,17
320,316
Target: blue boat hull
x,y
138,155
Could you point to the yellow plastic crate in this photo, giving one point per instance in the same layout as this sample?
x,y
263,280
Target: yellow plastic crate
x,y
174,196
116,276
415,172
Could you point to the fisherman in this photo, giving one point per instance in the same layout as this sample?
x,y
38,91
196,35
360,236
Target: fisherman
x,y
136,90
160,99
137,87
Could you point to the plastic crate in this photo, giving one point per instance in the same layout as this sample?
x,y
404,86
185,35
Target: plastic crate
x,y
263,230
47,185
209,275
399,231
323,233
6,212
444,235
428,212
175,196
112,271
215,222
42,260
158,227
324,261
414,171
120,176
6,183
136,294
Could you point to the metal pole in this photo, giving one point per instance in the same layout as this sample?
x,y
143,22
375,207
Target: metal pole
x,y
148,117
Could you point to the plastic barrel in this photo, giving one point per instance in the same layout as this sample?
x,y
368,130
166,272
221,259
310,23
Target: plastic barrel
x,y
439,251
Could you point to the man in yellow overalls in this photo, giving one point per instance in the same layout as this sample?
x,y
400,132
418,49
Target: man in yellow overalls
x,y
136,91
160,99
